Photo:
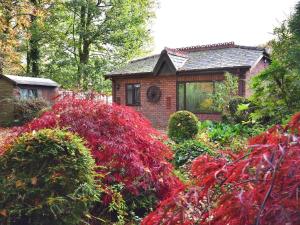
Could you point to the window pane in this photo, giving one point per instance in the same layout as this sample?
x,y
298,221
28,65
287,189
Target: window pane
x,y
32,93
198,96
129,91
137,94
181,96
23,94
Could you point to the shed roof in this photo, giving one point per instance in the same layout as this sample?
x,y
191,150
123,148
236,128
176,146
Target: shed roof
x,y
35,81
216,56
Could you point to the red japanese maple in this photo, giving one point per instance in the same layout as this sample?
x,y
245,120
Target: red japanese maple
x,y
123,143
258,187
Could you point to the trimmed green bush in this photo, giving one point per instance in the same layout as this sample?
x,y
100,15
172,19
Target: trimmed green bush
x,y
46,177
182,126
187,151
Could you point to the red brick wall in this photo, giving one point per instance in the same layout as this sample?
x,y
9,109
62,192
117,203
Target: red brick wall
x,y
257,68
159,113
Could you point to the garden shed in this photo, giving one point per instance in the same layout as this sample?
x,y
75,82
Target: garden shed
x,y
20,87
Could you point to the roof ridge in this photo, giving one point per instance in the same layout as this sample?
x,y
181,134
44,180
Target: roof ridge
x,y
250,47
176,52
207,47
21,76
25,80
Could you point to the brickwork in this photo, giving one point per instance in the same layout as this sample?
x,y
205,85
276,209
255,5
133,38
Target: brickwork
x,y
260,66
159,113
178,65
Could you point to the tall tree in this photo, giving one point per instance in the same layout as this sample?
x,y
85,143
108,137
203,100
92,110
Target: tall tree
x,y
90,37
277,89
33,51
14,18
37,35
19,24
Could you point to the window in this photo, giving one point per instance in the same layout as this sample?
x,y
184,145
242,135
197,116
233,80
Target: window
x,y
133,94
196,96
28,93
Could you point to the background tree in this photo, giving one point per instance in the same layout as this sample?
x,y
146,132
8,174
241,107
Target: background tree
x,y
277,89
20,24
36,31
87,38
14,18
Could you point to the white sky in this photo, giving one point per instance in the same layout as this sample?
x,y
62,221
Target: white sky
x,y
182,23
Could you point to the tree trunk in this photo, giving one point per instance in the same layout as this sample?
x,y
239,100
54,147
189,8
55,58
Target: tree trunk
x,y
33,53
84,44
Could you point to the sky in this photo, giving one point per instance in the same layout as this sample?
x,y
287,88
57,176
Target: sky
x,y
180,23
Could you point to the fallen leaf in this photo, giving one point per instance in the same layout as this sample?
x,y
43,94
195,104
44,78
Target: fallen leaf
x,y
34,180
3,212
19,183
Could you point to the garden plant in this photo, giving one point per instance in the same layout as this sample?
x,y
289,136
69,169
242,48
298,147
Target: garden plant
x,y
182,126
129,153
257,186
47,177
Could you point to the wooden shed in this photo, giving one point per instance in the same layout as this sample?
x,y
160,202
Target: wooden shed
x,y
20,87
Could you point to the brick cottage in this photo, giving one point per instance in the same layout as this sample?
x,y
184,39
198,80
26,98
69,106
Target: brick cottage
x,y
183,78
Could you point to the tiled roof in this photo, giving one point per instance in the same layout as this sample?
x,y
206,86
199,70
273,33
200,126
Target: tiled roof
x,y
224,55
32,81
221,58
178,58
144,65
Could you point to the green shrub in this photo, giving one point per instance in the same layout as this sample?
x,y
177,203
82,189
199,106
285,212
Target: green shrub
x,y
183,125
239,114
188,150
225,91
46,177
225,135
27,110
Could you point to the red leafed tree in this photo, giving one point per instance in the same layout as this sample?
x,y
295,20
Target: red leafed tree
x,y
123,143
258,187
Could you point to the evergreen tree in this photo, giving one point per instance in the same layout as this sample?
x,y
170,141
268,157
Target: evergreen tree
x,y
277,89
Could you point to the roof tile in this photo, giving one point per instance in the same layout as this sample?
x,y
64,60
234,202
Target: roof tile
x,y
223,55
32,81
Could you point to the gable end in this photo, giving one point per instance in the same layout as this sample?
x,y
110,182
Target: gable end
x,y
164,65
